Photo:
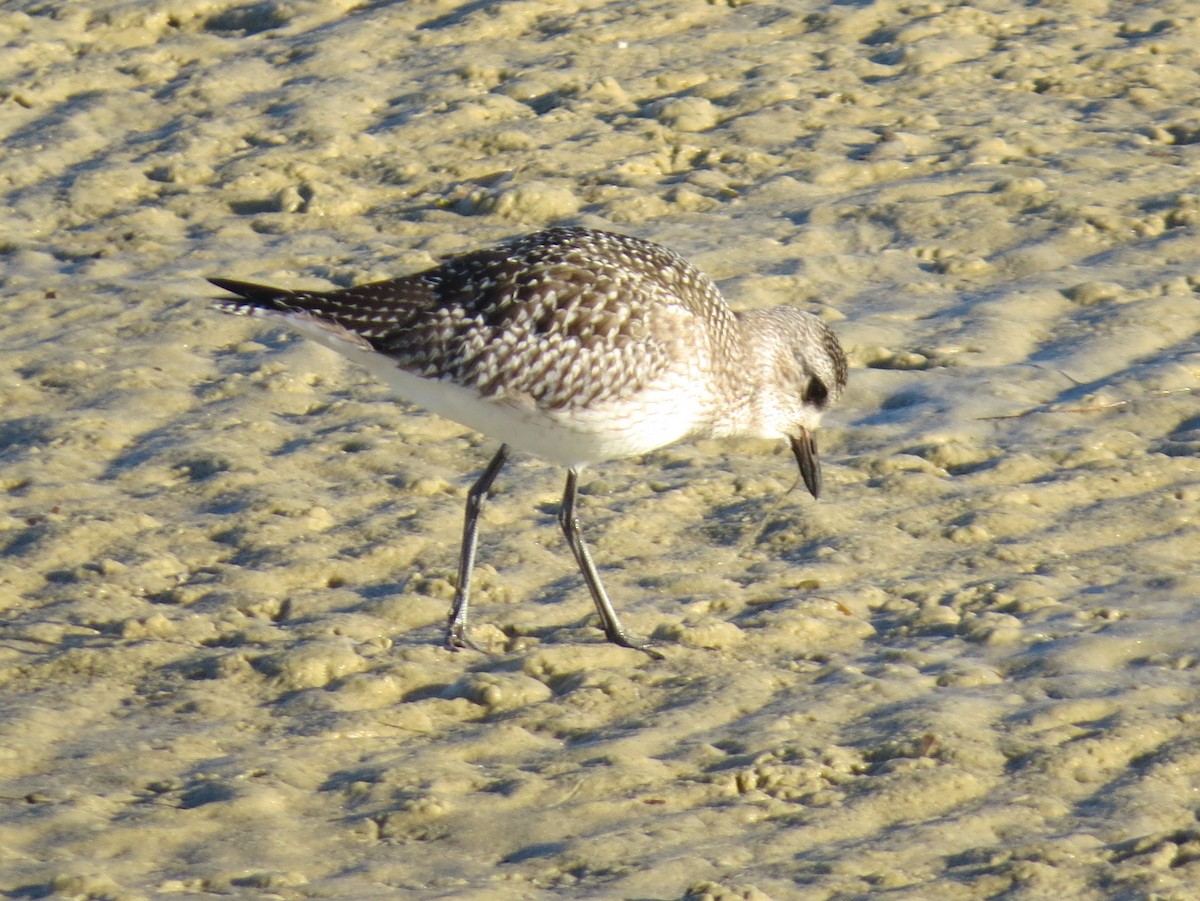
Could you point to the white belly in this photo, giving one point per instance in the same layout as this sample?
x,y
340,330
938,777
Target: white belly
x,y
656,416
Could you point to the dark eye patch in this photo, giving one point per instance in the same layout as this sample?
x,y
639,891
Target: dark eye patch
x,y
815,392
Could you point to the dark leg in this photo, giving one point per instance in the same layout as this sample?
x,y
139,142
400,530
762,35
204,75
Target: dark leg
x,y
570,525
456,632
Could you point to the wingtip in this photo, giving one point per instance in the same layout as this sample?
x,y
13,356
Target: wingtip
x,y
224,284
258,295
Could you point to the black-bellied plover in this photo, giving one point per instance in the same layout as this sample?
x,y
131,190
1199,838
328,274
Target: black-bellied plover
x,y
578,346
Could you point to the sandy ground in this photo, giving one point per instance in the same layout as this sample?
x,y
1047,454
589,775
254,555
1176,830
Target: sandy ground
x,y
970,671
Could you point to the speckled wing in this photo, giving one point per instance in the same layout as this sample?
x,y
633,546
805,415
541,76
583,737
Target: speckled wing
x,y
564,318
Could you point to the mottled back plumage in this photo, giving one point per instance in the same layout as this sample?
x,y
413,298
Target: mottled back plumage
x,y
567,317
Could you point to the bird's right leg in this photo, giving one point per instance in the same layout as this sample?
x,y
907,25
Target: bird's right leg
x,y
456,632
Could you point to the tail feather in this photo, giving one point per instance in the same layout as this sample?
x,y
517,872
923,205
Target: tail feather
x,y
262,296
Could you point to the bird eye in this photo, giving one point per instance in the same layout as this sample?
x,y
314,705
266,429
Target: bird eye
x,y
815,392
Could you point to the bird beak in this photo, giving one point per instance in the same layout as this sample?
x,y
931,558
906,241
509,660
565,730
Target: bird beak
x,y
804,446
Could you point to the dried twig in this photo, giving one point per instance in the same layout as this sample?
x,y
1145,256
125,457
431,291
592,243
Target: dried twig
x,y
1088,408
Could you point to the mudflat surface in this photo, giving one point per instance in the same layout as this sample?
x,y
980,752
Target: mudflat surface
x,y
969,672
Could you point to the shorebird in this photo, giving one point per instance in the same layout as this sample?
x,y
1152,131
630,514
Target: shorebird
x,y
578,346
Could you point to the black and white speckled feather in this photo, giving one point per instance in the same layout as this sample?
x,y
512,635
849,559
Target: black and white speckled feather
x,y
568,317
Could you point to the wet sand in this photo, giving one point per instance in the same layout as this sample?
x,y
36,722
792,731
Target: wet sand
x,y
969,671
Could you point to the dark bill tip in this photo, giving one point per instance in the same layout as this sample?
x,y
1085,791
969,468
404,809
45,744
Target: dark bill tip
x,y
804,446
